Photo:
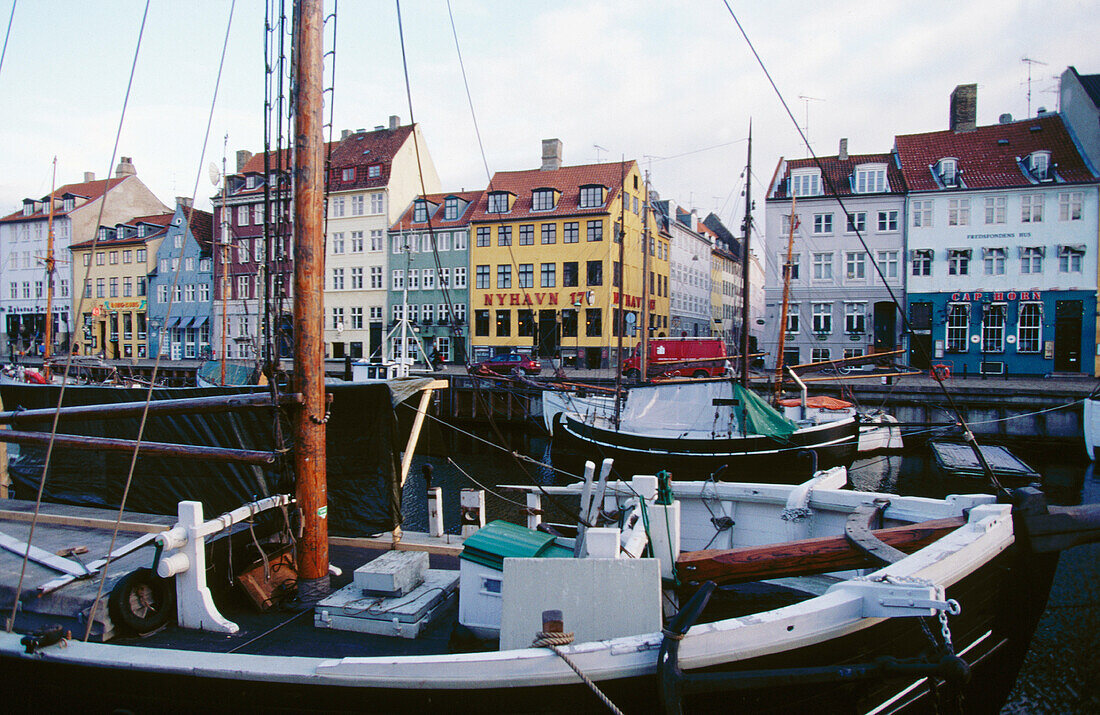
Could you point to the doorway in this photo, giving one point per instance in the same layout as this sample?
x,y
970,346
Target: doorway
x,y
1067,335
920,340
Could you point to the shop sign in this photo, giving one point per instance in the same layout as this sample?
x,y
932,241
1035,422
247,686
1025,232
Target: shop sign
x,y
998,296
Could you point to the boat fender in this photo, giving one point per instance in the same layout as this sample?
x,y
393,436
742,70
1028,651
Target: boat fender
x,y
45,637
142,601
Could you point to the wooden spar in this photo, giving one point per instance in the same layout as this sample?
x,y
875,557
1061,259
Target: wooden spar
x,y
148,449
192,405
747,232
309,268
793,221
856,360
49,279
807,556
864,376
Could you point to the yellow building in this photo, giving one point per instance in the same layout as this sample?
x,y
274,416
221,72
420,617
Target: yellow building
x,y
111,274
544,254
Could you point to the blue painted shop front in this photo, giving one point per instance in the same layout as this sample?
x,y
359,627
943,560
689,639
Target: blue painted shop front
x,y
1003,332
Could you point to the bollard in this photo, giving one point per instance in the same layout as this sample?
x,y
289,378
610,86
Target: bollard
x,y
435,513
472,502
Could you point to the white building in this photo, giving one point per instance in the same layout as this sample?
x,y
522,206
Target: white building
x,y
689,271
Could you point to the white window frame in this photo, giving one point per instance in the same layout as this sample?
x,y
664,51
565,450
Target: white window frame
x,y
822,317
1029,327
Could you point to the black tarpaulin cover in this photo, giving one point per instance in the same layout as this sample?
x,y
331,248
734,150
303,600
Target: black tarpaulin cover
x,y
362,454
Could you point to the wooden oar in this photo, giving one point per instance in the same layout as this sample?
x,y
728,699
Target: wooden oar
x,y
804,557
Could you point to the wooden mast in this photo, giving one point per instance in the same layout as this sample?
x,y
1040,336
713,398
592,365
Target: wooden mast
x,y
620,321
746,233
225,260
49,279
309,443
786,298
643,359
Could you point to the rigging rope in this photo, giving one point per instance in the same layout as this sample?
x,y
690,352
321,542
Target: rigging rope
x,y
11,18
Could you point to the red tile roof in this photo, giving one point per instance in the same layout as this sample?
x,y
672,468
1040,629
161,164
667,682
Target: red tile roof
x,y
840,171
91,190
405,220
987,157
160,220
567,180
202,225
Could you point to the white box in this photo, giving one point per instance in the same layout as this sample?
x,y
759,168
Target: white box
x,y
394,573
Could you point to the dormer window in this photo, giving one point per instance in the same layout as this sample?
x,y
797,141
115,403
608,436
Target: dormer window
x,y
498,202
251,182
67,203
806,183
272,179
450,209
542,199
141,231
592,196
348,174
1039,165
948,172
102,234
420,212
870,180
28,207
374,171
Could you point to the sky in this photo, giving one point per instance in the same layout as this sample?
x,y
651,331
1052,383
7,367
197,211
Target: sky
x,y
672,85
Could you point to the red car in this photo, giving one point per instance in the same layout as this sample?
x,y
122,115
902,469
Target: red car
x,y
507,363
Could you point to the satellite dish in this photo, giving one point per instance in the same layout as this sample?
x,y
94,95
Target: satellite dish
x,y
215,175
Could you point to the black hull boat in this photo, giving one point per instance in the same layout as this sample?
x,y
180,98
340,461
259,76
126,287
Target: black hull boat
x,y
786,459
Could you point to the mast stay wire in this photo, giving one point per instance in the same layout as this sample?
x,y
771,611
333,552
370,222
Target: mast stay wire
x,y
968,436
7,34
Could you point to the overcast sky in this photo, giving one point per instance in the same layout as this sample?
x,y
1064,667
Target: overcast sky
x,y
670,84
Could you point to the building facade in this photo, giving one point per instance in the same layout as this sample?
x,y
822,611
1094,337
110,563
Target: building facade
x,y
838,304
429,273
1002,234
111,303
690,246
23,250
181,288
545,258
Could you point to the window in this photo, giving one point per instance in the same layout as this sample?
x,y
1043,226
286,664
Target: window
x,y
857,221
820,354
140,285
526,320
376,240
414,279
483,233
922,213
98,259
242,215
993,327
377,203
806,184
242,287
337,318
922,261
870,180
242,251
357,278
189,293
856,265
595,273
958,212
793,267
570,274
504,276
338,243
1031,260
162,293
855,316
542,199
792,318
414,312
357,318
823,266
1069,206
376,277
591,196
823,318
427,313
947,170
887,263
460,240
617,274
958,261
1069,258
1031,208
1029,331
797,223
571,232
205,265
958,327
189,263
526,275
549,233
1039,165
887,221
348,174
139,255
995,208
204,292
444,277
823,223
398,312
548,276
258,214
504,323
459,312
337,278
420,212
595,230
450,208
593,322
397,280
376,312
498,202
994,261
113,257
428,276
100,288
481,278
460,277
527,234
481,323
374,171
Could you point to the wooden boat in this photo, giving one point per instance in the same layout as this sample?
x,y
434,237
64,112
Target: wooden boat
x,y
1091,425
877,430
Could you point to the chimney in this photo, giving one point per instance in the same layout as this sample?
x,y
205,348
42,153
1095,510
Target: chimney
x,y
243,157
843,153
125,168
344,134
551,154
395,122
89,176
184,201
964,109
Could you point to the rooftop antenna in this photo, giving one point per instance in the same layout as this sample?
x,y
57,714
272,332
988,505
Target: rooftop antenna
x,y
806,104
1029,62
598,150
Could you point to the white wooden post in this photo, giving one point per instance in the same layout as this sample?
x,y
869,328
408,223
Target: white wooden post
x,y
194,604
435,512
534,510
472,502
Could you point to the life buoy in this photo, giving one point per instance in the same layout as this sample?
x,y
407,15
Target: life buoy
x,y
941,372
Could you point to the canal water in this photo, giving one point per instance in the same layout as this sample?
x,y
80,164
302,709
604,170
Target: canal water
x,y
1062,671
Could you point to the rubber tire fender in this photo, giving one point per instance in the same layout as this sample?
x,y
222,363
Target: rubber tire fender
x,y
142,601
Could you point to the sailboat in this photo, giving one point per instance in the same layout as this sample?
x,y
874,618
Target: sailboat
x,y
888,603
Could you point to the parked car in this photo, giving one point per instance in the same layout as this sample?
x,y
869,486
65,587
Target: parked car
x,y
507,363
